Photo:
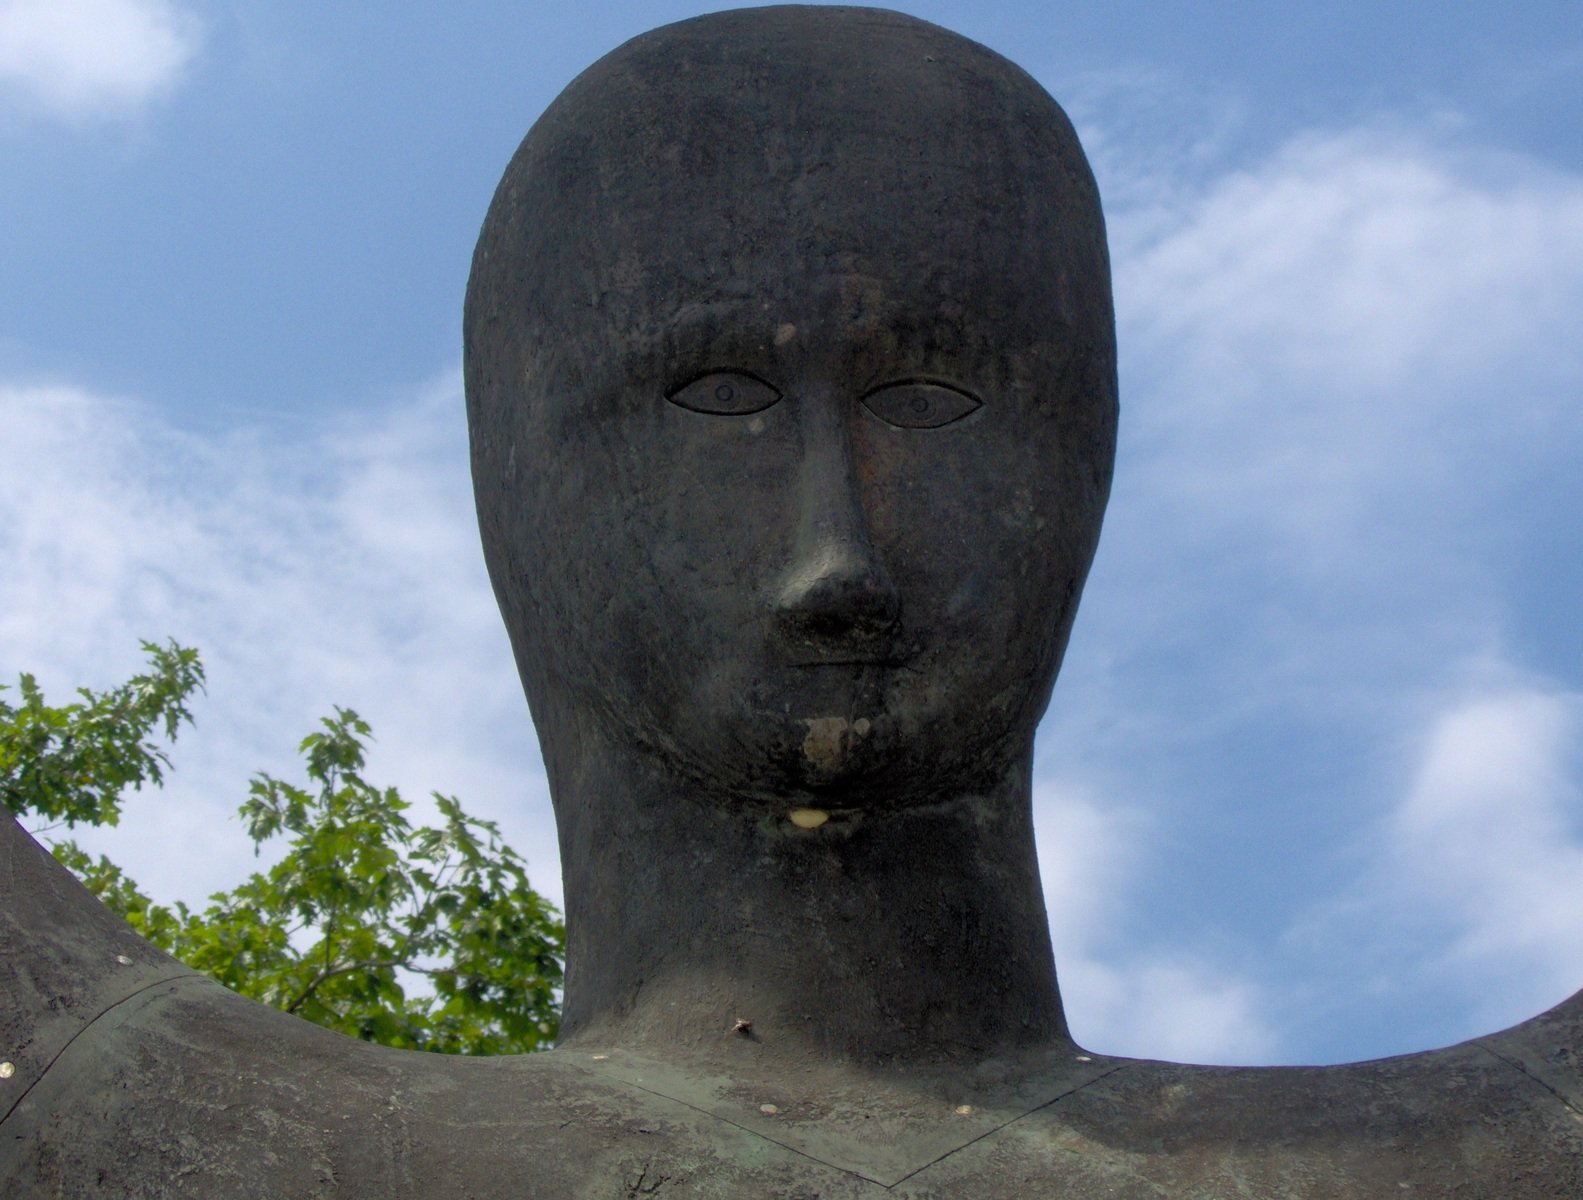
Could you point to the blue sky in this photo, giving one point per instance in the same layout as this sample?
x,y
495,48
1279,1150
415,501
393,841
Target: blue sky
x,y
1311,787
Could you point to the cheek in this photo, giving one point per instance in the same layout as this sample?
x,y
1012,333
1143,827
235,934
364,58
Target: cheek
x,y
720,508
972,533
959,518
680,523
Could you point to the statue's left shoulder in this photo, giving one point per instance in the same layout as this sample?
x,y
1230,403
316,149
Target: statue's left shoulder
x,y
1547,1049
1497,1119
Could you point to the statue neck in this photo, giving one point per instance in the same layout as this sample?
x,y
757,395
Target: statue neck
x,y
910,937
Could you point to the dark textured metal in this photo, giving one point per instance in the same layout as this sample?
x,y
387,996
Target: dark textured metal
x,y
791,383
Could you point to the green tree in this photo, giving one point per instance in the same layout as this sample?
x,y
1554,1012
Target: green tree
x,y
361,906
72,765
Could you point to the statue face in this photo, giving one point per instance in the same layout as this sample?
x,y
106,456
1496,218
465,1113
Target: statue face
x,y
792,445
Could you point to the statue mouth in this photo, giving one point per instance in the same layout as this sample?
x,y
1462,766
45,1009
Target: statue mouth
x,y
889,652
846,660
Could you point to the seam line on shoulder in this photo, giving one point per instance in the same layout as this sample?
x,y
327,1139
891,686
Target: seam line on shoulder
x,y
1011,1121
106,1011
1527,1074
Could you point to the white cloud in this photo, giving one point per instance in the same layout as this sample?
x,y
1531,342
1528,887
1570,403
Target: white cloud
x,y
1123,996
1176,1009
93,58
1359,316
1349,378
1462,915
1489,841
1349,374
341,569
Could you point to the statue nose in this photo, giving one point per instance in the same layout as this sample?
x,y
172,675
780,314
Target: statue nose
x,y
839,596
834,599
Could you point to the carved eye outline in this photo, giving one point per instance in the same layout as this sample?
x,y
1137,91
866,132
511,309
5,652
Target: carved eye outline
x,y
724,394
920,404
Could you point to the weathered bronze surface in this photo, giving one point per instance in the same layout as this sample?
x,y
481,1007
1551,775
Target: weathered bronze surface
x,y
791,381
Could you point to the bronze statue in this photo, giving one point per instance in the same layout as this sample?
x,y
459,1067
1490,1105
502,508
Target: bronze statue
x,y
791,381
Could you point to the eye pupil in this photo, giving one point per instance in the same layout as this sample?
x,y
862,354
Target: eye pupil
x,y
920,404
725,393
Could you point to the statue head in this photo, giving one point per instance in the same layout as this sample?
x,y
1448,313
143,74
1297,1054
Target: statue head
x,y
791,380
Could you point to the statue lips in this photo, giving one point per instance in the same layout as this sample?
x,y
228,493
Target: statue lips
x,y
865,665
886,654
838,660
846,648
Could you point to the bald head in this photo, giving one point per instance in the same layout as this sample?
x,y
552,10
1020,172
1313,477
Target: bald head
x,y
880,242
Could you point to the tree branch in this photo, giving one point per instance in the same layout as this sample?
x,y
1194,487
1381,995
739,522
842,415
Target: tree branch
x,y
328,973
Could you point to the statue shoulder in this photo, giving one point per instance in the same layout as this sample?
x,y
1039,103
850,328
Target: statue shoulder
x,y
65,961
131,1073
1548,1050
1478,1118
124,1063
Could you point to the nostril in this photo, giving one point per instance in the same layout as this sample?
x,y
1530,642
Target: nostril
x,y
837,600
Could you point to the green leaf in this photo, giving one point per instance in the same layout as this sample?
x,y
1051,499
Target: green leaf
x,y
421,937
73,764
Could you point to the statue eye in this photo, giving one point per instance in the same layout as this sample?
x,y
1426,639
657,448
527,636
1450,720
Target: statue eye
x,y
920,405
726,393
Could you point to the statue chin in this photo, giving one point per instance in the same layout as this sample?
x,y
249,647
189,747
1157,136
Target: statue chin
x,y
861,738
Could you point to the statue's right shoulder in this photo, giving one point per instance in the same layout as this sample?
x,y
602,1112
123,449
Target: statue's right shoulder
x,y
130,1074
187,1090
